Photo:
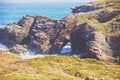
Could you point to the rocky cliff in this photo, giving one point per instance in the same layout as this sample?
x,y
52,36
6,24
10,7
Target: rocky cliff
x,y
93,30
101,35
39,34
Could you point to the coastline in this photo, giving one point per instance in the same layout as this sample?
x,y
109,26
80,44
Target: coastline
x,y
37,45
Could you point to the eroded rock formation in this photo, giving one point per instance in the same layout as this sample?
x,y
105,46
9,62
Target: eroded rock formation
x,y
14,33
43,35
91,44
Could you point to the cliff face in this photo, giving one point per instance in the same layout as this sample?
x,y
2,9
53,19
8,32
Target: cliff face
x,y
92,29
104,20
91,44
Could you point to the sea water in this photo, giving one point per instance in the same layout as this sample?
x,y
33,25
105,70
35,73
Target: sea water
x,y
13,12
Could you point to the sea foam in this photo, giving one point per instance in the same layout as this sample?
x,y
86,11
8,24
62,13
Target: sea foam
x,y
3,47
66,51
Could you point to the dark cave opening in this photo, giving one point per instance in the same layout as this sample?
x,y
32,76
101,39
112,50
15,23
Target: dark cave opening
x,y
78,42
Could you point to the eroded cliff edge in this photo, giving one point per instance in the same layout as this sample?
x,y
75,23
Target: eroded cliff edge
x,y
93,30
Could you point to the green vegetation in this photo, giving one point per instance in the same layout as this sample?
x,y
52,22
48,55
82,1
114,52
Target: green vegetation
x,y
91,17
55,68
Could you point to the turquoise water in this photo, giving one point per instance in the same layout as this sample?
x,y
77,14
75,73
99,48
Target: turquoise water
x,y
14,12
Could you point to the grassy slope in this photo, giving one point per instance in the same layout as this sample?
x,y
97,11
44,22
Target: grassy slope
x,y
55,68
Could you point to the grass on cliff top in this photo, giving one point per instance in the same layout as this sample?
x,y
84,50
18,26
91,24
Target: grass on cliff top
x,y
91,19
116,3
55,68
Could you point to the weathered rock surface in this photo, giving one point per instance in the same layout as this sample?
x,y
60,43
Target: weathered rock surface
x,y
105,16
85,8
14,33
78,41
19,49
47,35
40,34
99,48
91,44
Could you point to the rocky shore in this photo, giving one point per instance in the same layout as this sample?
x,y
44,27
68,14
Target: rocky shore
x,y
93,30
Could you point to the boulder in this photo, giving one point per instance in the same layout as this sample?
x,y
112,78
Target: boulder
x,y
105,16
85,8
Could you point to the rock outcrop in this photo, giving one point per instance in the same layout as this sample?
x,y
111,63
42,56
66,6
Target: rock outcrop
x,y
85,8
40,34
103,42
48,36
91,44
14,33
105,16
19,49
78,41
92,6
88,34
99,48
